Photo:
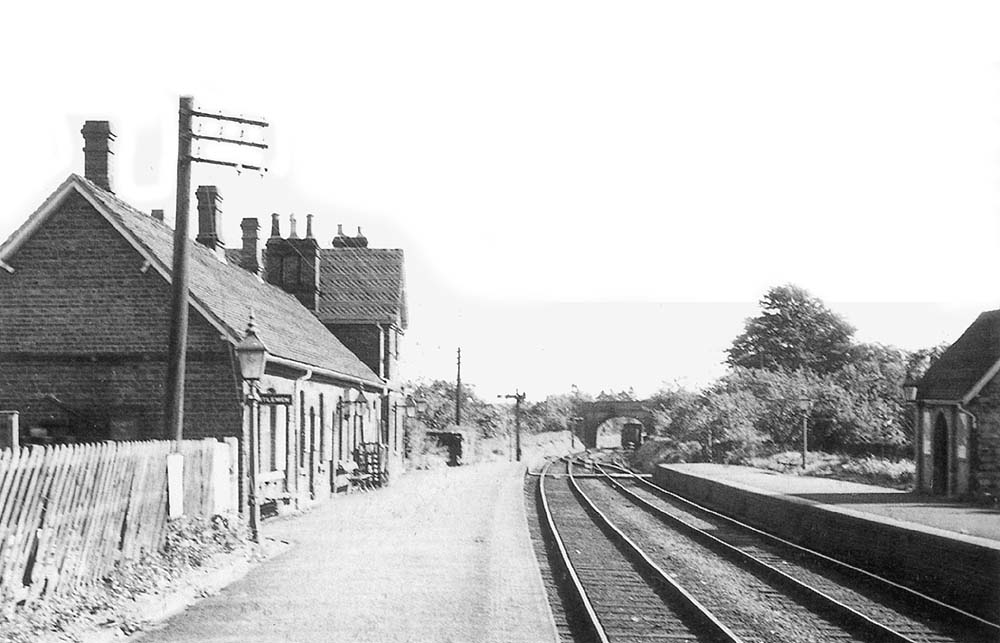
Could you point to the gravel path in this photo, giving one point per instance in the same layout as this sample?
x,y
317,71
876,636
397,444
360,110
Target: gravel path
x,y
439,556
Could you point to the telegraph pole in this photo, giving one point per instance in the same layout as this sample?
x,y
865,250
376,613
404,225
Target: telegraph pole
x,y
174,391
176,353
458,390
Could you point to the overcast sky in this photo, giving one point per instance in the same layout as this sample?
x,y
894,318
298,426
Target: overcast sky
x,y
587,193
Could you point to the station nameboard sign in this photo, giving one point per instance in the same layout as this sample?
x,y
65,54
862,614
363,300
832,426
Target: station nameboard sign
x,y
276,399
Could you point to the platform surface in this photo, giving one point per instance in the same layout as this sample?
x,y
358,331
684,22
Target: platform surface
x,y
960,519
438,556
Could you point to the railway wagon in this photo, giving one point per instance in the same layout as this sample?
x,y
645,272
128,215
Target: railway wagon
x,y
631,435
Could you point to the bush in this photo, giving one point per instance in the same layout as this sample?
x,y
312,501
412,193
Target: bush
x,y
897,474
664,451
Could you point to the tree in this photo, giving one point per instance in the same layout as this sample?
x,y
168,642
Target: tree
x,y
794,331
440,413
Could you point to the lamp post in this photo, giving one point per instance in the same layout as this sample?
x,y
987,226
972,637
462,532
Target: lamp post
x,y
518,397
252,356
910,397
412,407
360,407
804,404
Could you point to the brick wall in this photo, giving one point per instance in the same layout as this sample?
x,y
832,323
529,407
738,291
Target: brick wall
x,y
985,442
80,320
363,340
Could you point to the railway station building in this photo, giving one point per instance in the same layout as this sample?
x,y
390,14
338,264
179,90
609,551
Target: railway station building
x,y
85,286
957,441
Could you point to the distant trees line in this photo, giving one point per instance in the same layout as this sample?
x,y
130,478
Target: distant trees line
x,y
796,347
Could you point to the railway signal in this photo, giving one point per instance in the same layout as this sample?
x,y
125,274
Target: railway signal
x,y
518,397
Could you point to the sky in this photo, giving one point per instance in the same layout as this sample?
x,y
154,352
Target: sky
x,y
588,193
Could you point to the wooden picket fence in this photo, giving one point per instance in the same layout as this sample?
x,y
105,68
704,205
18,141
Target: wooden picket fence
x,y
69,513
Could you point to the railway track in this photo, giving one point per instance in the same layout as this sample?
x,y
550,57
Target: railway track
x,y
715,578
617,592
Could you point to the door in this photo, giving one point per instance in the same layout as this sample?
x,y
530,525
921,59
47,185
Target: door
x,y
939,456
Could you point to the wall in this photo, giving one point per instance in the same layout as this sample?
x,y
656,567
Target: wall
x,y
364,340
951,569
311,435
82,321
984,444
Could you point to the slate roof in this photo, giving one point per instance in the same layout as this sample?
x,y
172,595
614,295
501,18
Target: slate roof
x,y
955,374
287,328
362,285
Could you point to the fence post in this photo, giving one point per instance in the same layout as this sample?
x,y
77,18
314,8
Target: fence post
x,y
9,430
233,447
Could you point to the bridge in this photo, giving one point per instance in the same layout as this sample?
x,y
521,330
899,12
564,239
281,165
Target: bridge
x,y
594,414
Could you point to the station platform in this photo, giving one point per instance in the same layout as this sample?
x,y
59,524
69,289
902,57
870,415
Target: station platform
x,y
945,549
441,555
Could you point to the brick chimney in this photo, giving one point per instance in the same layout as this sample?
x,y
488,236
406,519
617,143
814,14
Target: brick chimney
x,y
157,214
97,137
292,264
209,218
250,259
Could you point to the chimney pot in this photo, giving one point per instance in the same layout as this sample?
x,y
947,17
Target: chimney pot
x,y
360,241
340,229
309,226
97,137
292,234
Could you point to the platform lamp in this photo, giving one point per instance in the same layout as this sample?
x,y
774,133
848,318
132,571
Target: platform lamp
x,y
910,385
252,356
360,407
804,404
411,408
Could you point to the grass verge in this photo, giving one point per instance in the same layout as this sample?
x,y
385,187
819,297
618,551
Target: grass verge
x,y
110,603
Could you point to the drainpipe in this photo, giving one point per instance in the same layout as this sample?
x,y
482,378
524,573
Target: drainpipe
x,y
288,443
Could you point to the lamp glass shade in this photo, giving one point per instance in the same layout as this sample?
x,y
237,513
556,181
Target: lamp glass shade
x,y
411,410
910,391
252,355
804,404
421,406
361,400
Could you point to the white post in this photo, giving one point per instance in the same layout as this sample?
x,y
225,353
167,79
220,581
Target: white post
x,y
175,485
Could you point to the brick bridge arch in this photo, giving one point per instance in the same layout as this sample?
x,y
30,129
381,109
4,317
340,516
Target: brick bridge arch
x,y
595,414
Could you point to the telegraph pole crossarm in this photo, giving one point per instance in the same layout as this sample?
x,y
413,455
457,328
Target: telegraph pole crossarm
x,y
234,141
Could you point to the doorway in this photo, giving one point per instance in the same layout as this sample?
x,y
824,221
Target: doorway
x,y
939,456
